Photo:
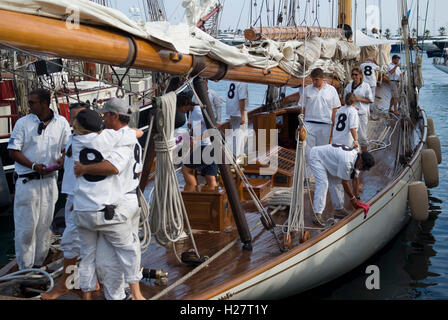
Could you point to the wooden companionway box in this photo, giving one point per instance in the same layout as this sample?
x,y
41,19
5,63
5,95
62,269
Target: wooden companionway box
x,y
208,210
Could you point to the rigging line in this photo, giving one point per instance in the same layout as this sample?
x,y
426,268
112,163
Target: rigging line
x,y
238,23
67,96
65,67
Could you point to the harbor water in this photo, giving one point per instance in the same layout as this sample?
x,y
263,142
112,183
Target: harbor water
x,y
414,265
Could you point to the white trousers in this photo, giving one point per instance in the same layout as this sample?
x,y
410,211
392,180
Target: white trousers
x,y
70,242
317,135
107,264
34,204
325,182
118,232
240,135
362,129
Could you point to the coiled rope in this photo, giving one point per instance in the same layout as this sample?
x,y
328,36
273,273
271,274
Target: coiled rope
x,y
168,211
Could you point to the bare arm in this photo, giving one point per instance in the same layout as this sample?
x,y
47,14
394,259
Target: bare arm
x,y
348,191
19,157
242,107
354,133
103,168
363,100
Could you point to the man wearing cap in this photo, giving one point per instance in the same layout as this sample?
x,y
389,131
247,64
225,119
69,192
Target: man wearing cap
x,y
70,243
96,202
116,117
330,164
36,146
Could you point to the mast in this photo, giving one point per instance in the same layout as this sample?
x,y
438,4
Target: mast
x,y
411,93
51,37
345,12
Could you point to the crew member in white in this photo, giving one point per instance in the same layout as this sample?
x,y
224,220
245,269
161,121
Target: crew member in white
x,y
96,199
369,71
215,100
363,97
237,104
320,102
346,124
330,164
117,115
394,77
70,243
36,146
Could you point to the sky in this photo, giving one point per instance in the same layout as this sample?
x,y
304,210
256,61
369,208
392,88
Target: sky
x,y
236,12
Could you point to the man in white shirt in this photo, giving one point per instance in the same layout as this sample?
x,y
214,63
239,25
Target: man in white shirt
x,y
333,167
117,117
70,242
369,71
394,77
319,102
98,203
237,104
363,96
345,128
36,146
215,100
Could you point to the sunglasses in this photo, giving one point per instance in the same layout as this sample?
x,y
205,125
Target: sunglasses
x,y
355,74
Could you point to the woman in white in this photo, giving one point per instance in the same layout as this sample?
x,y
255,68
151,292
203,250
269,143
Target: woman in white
x,y
345,124
363,97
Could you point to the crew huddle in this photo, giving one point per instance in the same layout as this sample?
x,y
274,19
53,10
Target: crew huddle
x,y
101,170
102,163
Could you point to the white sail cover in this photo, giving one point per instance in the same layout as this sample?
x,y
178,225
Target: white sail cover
x,y
188,39
363,40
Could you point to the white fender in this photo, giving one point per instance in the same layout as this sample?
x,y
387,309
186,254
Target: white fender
x,y
430,169
431,129
433,142
418,200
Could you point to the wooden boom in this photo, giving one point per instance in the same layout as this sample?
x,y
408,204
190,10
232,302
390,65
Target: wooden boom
x,y
51,37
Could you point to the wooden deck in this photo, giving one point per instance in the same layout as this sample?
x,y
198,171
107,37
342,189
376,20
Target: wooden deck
x,y
235,262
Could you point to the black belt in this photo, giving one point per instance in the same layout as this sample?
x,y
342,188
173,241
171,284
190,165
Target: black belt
x,y
317,122
32,176
395,80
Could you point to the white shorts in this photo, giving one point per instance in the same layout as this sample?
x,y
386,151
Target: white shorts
x,y
394,89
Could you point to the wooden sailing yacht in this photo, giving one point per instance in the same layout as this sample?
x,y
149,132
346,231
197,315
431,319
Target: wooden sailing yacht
x,y
248,259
